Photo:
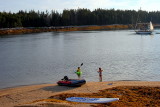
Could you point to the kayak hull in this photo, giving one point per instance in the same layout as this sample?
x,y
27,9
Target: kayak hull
x,y
91,100
72,82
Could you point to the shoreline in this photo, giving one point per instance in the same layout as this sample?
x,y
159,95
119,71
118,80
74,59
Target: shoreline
x,y
17,86
35,94
13,31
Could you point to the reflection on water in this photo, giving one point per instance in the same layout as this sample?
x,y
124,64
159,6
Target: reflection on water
x,y
47,57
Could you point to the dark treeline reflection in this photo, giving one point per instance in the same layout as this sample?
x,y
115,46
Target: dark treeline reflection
x,y
75,17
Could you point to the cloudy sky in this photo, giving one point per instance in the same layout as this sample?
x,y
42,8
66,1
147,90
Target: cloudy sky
x,y
59,5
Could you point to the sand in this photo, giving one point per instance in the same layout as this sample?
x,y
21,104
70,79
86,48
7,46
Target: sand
x,y
35,94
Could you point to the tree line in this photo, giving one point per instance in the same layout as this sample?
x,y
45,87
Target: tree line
x,y
76,17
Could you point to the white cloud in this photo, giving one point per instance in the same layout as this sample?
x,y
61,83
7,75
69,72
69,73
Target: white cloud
x,y
59,5
148,5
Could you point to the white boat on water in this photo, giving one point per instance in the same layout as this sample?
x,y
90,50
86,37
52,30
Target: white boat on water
x,y
144,28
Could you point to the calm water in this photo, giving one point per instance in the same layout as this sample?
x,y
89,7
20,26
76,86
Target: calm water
x,y
47,57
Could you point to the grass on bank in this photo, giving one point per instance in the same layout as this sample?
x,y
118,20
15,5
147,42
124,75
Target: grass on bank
x,y
129,96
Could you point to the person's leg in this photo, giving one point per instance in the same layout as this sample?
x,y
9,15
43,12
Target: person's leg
x,y
100,78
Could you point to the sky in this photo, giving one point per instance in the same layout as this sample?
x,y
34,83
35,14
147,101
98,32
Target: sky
x,y
60,5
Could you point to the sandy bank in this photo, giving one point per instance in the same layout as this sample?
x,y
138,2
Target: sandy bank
x,y
13,31
29,94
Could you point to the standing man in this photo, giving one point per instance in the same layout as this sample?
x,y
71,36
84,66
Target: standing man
x,y
100,74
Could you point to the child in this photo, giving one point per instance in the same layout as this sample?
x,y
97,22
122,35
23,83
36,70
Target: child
x,y
100,74
78,72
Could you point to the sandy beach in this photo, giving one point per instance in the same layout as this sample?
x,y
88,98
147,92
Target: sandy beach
x,y
48,95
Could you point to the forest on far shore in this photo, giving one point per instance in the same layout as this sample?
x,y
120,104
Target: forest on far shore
x,y
76,17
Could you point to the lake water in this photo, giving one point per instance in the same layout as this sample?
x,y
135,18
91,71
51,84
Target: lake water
x,y
47,57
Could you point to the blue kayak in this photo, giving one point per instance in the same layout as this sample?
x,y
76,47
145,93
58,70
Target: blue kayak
x,y
71,82
91,100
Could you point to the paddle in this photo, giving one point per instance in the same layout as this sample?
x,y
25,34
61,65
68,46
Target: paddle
x,y
81,64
